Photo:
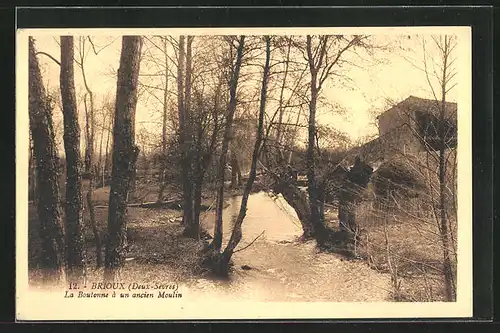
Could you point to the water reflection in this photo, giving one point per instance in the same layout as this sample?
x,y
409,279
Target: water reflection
x,y
267,214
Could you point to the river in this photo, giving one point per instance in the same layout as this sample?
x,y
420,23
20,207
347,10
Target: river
x,y
282,269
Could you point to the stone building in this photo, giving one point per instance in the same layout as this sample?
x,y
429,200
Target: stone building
x,y
410,127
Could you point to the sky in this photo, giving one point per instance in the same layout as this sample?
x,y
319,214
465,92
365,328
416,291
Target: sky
x,y
392,74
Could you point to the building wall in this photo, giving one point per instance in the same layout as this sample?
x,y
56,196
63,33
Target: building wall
x,y
402,140
397,141
397,128
392,119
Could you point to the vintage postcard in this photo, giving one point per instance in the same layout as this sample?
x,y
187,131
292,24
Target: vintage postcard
x,y
231,173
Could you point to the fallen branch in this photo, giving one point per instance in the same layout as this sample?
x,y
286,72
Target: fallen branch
x,y
243,248
153,204
146,204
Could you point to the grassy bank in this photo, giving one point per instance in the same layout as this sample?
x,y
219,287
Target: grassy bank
x,y
407,246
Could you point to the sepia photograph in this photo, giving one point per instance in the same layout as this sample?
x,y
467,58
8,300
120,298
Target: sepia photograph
x,y
213,173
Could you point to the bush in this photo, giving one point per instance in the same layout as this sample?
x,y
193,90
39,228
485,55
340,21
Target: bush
x,y
396,176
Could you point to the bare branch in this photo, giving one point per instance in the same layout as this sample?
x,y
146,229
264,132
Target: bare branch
x,y
250,244
48,55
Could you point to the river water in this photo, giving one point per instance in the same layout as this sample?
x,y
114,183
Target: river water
x,y
282,269
271,216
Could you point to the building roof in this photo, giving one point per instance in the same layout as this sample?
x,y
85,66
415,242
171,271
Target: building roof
x,y
424,105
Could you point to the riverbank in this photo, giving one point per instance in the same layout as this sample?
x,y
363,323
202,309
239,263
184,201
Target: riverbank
x,y
276,267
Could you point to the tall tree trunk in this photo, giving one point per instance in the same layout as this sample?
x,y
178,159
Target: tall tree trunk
x,y
200,166
131,194
197,191
107,159
183,136
233,85
312,188
75,245
124,153
281,108
450,291
235,171
445,232
32,173
88,165
191,226
294,135
44,147
197,181
240,178
203,158
163,159
316,218
100,169
236,234
89,162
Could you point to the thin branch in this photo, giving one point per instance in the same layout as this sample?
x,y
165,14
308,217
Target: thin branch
x,y
243,248
48,55
105,46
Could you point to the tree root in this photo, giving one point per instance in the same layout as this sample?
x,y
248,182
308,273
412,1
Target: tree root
x,y
216,263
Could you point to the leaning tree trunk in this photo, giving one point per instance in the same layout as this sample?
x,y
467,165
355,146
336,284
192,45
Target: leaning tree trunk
x,y
75,245
236,235
44,147
233,85
297,199
124,153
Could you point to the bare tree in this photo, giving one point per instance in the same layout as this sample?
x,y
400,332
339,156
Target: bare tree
x,y
279,129
124,153
104,132
416,185
233,86
183,104
109,131
321,60
75,247
444,77
49,215
204,145
236,234
163,161
89,149
191,226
